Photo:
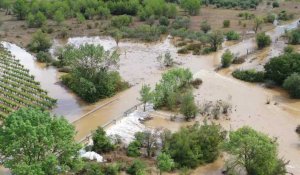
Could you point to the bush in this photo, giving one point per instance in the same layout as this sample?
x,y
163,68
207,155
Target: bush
x,y
102,143
283,15
143,32
263,40
205,27
80,18
188,107
181,22
59,16
137,168
191,6
226,23
128,7
232,35
249,75
133,149
294,36
43,57
270,18
227,59
195,145
292,85
39,42
36,20
279,68
164,21
288,49
103,12
121,21
275,4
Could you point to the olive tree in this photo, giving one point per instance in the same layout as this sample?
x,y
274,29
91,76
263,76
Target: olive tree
x,y
215,39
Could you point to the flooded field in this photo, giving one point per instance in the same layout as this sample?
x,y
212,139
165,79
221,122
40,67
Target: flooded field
x,y
138,66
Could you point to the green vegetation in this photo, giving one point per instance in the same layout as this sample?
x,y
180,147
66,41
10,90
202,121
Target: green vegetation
x,y
258,22
215,39
281,67
263,40
188,107
284,16
288,49
133,149
18,88
34,142
40,42
137,168
91,76
120,21
146,95
292,85
168,91
249,75
191,6
232,35
226,23
227,59
102,143
164,163
195,145
243,4
253,152
205,27
294,36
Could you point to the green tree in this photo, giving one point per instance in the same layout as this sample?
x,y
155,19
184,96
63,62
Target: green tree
x,y
215,39
292,85
195,145
6,4
227,58
34,142
279,68
102,142
146,95
117,35
164,163
36,20
188,107
58,17
253,151
226,23
263,40
257,23
21,8
192,6
148,140
205,27
40,42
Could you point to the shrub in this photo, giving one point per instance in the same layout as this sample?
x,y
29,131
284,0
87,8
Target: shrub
x,y
39,42
249,75
103,12
43,57
191,6
164,21
205,27
294,36
137,168
195,145
275,4
80,18
279,68
288,49
128,7
270,18
283,15
263,40
59,16
181,22
133,149
227,59
292,85
36,20
121,21
102,143
232,35
188,107
226,23
143,32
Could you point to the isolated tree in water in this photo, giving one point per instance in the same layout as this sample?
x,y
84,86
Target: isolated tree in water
x,y
146,95
34,142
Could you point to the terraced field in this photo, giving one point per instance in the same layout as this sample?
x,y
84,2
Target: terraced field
x,y
18,88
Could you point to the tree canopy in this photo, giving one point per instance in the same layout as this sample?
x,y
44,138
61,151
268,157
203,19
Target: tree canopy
x,y
34,142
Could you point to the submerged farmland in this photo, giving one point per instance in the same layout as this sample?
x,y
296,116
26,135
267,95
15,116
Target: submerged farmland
x,y
18,88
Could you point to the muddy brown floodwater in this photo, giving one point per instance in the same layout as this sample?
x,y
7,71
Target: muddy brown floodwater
x,y
138,66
